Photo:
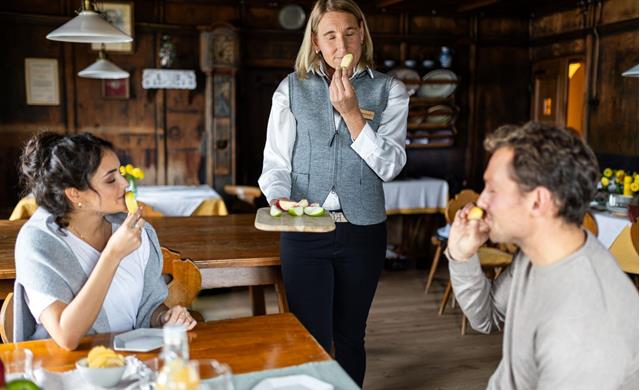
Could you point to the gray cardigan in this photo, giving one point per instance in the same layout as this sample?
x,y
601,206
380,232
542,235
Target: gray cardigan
x,y
46,263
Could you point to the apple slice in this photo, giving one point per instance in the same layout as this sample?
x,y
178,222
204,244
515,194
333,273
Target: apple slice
x,y
285,205
296,211
346,60
314,211
130,201
475,213
275,211
303,203
314,205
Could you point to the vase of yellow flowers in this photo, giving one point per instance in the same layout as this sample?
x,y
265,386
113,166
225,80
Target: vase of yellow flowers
x,y
620,186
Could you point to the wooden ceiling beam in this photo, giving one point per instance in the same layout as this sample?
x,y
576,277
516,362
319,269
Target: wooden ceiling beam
x,y
475,5
387,3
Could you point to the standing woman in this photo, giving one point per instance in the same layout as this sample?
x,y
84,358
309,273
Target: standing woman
x,y
334,135
83,265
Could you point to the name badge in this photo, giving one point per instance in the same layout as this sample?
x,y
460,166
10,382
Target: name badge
x,y
368,115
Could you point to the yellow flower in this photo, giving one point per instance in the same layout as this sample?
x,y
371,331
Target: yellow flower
x,y
122,170
620,174
607,172
604,181
137,173
129,168
627,179
634,187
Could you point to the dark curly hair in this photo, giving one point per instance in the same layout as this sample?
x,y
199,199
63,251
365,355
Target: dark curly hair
x,y
551,157
51,162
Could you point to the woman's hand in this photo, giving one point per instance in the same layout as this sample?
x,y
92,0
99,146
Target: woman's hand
x,y
466,236
178,315
128,237
345,101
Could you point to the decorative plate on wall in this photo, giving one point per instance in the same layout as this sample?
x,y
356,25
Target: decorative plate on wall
x,y
438,83
291,17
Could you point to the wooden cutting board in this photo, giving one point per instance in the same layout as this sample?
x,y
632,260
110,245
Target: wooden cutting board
x,y
289,223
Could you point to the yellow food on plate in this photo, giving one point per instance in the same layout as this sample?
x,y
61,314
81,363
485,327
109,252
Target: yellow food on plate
x,y
101,357
475,213
130,201
346,60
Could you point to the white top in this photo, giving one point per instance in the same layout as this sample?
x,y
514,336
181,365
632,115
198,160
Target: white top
x,y
609,226
382,151
125,292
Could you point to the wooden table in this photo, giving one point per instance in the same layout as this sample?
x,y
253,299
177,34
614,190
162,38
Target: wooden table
x,y
246,344
228,250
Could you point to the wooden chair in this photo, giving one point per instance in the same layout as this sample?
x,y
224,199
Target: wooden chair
x,y
455,204
6,319
247,194
590,223
183,278
625,249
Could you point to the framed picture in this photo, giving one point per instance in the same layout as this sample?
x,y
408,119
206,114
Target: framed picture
x,y
120,14
115,89
42,81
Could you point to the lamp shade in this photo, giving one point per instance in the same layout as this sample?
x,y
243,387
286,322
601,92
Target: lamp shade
x,y
87,27
103,69
631,72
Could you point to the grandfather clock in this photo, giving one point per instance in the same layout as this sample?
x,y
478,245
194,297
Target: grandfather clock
x,y
219,54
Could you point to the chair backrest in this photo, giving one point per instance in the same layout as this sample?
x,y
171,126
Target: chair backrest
x,y
247,194
624,251
6,319
185,278
590,223
458,202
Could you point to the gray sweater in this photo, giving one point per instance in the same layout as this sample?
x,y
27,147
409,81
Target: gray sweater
x,y
46,263
571,325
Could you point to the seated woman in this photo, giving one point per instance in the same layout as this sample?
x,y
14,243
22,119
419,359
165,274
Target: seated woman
x,y
83,266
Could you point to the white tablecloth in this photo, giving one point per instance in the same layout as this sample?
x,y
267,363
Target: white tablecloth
x,y
609,226
416,196
175,200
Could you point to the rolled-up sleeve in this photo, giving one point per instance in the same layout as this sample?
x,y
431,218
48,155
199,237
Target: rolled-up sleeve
x,y
384,150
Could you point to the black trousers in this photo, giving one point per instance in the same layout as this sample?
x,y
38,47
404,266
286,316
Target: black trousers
x,y
330,280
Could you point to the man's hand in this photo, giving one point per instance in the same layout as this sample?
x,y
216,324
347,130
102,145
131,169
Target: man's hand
x,y
466,236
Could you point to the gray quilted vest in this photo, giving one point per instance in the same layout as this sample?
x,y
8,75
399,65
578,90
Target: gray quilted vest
x,y
322,155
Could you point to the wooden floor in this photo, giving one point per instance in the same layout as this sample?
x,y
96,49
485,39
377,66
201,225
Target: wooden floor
x,y
408,345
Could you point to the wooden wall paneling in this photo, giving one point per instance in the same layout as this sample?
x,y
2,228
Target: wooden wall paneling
x,y
549,103
435,24
186,149
197,13
381,23
548,25
559,48
618,10
69,89
614,120
43,7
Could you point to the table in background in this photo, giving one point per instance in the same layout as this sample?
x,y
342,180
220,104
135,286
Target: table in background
x,y
609,225
183,201
414,207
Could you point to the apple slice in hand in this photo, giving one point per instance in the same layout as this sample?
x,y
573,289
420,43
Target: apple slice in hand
x,y
130,201
346,60
275,211
285,205
475,213
296,211
314,211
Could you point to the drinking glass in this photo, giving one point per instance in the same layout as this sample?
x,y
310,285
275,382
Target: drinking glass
x,y
213,374
18,364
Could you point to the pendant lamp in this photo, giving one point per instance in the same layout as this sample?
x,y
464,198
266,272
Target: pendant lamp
x,y
87,27
631,72
103,69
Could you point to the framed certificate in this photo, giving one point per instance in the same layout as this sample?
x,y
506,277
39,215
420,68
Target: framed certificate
x,y
115,89
120,14
42,81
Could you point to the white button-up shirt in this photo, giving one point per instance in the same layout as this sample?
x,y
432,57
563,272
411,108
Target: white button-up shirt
x,y
383,151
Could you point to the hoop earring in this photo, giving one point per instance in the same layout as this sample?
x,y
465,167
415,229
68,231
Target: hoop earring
x,y
317,51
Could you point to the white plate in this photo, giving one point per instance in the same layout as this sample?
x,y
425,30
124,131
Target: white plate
x,y
139,340
438,90
291,17
439,115
293,382
407,75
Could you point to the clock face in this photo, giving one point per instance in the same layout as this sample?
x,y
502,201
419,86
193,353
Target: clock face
x,y
223,50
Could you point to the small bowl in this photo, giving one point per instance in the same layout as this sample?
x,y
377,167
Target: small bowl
x,y
102,377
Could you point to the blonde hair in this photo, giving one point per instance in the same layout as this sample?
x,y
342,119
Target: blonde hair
x,y
307,59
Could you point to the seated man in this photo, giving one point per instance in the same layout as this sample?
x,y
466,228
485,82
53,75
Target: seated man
x,y
570,315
